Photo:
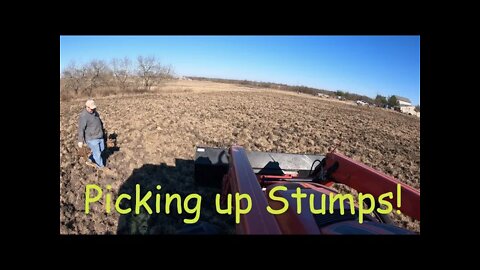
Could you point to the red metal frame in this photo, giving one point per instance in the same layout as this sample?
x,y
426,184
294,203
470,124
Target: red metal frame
x,y
367,180
241,179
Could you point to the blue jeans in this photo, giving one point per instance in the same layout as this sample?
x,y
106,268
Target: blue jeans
x,y
97,147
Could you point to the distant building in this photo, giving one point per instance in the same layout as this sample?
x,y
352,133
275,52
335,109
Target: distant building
x,y
405,106
403,101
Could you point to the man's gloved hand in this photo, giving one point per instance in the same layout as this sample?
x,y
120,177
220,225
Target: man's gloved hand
x,y
80,144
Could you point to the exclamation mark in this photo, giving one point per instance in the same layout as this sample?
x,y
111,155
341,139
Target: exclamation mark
x,y
399,197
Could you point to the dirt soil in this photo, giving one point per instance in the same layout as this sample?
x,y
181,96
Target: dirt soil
x,y
157,134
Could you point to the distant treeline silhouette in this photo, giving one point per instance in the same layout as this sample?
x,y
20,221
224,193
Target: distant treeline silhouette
x,y
299,89
381,101
101,78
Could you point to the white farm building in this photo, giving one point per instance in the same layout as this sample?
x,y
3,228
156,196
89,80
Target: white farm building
x,y
405,106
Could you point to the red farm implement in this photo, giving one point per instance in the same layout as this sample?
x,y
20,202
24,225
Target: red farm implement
x,y
294,186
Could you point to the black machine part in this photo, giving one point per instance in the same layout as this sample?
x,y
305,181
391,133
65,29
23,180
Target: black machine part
x,y
212,163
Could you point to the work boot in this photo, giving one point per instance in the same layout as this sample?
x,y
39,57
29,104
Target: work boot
x,y
90,163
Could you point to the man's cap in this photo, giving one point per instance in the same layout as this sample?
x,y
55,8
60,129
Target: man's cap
x,y
90,104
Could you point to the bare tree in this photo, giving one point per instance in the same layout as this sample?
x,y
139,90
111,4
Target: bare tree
x,y
68,77
121,71
75,77
148,69
166,72
97,73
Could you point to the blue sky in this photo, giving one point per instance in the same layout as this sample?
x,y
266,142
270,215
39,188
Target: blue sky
x,y
367,65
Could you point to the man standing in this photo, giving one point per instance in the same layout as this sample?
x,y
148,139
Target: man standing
x,y
90,130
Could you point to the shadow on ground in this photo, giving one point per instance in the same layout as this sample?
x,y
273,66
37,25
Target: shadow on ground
x,y
108,152
110,146
176,179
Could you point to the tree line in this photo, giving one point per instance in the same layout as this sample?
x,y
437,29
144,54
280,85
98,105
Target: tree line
x,y
296,88
391,101
99,77
383,101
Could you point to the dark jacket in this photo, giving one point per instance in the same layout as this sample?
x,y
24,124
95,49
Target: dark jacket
x,y
90,126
